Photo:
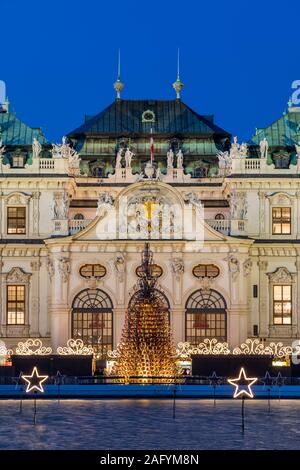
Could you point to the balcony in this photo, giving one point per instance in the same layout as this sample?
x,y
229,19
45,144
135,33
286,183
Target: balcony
x,y
76,225
221,225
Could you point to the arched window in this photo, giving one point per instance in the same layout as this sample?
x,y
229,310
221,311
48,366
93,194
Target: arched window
x,y
205,316
219,216
79,216
92,320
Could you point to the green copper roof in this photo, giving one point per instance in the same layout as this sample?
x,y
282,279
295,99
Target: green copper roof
x,y
285,131
171,117
15,132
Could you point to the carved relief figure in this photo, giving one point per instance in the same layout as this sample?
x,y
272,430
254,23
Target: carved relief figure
x,y
104,201
119,264
64,268
177,266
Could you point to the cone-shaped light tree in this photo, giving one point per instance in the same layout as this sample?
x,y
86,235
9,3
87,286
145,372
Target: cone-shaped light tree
x,y
146,352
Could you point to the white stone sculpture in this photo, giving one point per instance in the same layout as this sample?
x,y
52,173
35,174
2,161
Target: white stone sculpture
x,y
224,162
263,148
243,150
119,159
128,157
57,151
65,202
170,158
235,149
36,148
105,200
55,207
179,157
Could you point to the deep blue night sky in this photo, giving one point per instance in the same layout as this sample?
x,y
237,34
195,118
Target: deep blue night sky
x,y
238,58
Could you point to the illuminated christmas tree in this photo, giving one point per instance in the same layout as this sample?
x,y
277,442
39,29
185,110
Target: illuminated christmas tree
x,y
146,348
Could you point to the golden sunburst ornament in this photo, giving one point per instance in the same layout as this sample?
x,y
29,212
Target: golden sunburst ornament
x,y
35,381
243,381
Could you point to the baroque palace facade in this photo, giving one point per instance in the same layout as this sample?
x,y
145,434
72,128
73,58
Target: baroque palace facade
x,y
222,219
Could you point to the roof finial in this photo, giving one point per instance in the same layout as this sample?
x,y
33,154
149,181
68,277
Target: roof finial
x,y
178,85
118,85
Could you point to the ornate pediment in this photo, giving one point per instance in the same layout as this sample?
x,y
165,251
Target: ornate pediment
x,y
280,198
281,275
17,275
16,198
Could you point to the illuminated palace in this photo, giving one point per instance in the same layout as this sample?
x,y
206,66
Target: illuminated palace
x,y
222,219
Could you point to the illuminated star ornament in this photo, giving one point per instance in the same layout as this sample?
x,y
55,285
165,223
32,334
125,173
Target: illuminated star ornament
x,y
241,382
35,381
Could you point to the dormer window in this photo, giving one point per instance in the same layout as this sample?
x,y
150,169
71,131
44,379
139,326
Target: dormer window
x,y
18,161
148,116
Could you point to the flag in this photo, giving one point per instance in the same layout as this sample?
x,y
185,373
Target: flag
x,y
151,148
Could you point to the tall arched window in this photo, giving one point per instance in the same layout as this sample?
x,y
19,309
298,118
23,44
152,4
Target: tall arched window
x,y
205,316
92,320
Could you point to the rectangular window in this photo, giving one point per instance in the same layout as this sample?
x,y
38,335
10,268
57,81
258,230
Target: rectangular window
x,y
15,305
16,220
281,220
18,161
282,305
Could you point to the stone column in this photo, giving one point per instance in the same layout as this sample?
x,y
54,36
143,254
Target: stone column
x,y
59,309
178,324
264,319
34,310
118,324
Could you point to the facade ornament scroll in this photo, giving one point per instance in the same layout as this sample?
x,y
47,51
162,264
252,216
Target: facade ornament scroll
x,y
247,266
233,266
177,266
64,268
50,268
119,266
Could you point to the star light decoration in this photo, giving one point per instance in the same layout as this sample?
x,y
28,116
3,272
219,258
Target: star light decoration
x,y
35,381
241,381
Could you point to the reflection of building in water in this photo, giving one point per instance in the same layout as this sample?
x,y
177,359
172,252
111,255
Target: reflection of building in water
x,y
223,228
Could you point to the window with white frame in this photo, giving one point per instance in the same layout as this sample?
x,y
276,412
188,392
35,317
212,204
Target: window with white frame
x,y
15,296
281,220
282,304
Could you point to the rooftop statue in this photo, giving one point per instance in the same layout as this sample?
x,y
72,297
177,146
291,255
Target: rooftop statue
x,y
170,158
179,156
128,157
119,159
263,147
36,148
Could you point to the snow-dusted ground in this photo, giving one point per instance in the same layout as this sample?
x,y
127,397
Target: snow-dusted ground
x,y
148,424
